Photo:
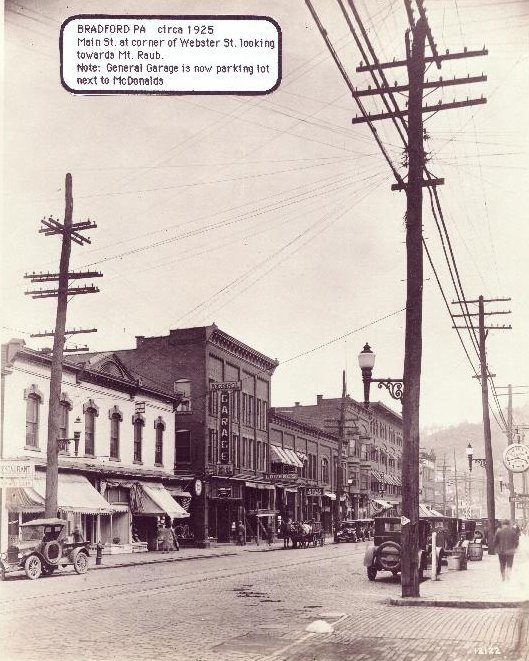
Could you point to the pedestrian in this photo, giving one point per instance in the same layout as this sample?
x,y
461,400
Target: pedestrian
x,y
269,534
505,544
77,535
241,533
175,539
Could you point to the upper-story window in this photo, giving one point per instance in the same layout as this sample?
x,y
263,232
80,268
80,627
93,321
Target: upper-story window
x,y
138,422
325,470
65,406
116,417
91,411
34,398
159,428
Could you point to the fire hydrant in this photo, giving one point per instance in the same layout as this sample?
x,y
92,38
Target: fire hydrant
x,y
99,553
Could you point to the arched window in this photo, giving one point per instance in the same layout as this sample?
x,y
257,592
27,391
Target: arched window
x,y
325,470
64,415
33,397
159,428
138,422
91,411
116,417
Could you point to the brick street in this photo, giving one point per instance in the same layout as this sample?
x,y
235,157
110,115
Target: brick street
x,y
247,606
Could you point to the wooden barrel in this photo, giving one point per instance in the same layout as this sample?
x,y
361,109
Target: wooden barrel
x,y
475,551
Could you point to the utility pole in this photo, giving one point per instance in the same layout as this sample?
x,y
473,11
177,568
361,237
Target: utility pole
x,y
456,486
70,232
484,380
444,484
341,460
409,124
509,442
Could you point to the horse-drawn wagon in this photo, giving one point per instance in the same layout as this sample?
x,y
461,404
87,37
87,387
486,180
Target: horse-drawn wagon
x,y
304,534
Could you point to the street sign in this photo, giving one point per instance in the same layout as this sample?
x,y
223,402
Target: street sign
x,y
16,473
226,385
224,492
519,498
404,520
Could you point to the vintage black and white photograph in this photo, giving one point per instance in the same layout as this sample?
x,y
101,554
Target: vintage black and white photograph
x,y
265,330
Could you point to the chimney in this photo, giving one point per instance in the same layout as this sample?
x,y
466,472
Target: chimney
x,y
139,340
319,399
296,403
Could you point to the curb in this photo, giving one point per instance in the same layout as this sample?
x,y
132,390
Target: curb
x,y
450,603
160,560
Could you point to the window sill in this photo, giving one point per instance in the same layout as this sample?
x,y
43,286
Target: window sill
x,y
136,461
157,465
114,459
32,448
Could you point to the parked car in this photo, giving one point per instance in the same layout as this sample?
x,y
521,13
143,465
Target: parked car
x,y
385,553
42,549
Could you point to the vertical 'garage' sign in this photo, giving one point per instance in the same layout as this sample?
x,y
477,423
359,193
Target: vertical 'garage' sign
x,y
224,453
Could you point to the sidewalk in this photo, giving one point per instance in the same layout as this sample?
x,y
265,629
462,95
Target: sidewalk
x,y
480,586
216,550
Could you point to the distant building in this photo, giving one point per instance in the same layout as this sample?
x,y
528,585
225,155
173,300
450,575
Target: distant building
x,y
372,482
427,485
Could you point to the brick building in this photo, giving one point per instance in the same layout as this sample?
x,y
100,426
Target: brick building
x,y
372,482
221,448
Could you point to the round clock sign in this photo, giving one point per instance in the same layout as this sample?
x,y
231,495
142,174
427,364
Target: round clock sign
x,y
516,458
198,487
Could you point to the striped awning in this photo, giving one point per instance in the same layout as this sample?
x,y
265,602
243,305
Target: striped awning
x,y
23,499
75,494
377,476
155,499
285,456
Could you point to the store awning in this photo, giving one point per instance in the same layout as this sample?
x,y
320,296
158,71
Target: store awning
x,y
23,499
155,499
302,456
291,489
330,495
259,485
75,494
377,475
382,504
285,456
178,492
426,512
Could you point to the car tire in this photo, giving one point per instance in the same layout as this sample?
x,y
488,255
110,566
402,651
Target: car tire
x,y
33,567
371,573
80,563
52,552
395,550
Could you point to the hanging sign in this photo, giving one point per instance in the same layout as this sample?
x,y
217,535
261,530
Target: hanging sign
x,y
404,520
224,441
226,385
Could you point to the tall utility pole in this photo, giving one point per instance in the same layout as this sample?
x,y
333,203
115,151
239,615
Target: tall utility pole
x,y
456,486
444,484
70,232
509,442
484,380
340,460
409,124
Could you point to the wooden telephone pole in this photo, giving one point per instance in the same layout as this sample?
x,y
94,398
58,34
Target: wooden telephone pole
x,y
70,232
484,380
342,444
409,125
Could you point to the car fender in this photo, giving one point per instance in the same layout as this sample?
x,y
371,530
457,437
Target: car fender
x,y
369,556
75,552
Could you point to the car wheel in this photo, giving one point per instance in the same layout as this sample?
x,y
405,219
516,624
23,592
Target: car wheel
x,y
33,567
388,555
2,574
80,563
371,573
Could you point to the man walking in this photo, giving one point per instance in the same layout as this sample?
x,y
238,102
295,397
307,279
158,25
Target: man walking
x,y
506,543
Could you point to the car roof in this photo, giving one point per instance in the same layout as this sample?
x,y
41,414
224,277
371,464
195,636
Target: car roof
x,y
44,522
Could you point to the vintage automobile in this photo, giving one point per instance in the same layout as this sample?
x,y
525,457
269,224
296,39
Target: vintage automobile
x,y
385,554
42,549
357,530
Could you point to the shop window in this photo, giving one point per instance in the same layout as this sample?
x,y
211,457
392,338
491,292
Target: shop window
x,y
138,422
91,411
182,453
33,397
159,428
116,417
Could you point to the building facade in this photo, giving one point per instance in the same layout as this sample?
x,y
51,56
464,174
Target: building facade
x,y
221,443
372,481
116,477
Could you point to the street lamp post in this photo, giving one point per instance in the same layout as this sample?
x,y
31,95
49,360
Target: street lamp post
x,y
474,460
366,361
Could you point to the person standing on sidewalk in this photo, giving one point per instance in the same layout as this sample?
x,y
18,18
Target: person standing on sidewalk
x,y
505,544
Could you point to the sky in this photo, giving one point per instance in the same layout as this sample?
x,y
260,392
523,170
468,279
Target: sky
x,y
272,215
